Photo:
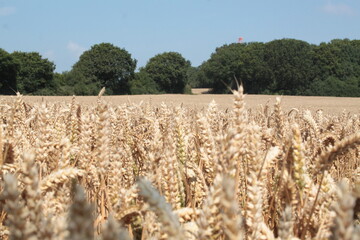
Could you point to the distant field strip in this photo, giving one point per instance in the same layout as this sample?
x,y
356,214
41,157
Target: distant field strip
x,y
329,105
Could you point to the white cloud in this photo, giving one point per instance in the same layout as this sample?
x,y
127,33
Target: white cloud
x,y
338,9
75,48
6,11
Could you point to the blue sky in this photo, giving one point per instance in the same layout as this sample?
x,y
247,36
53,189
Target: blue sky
x,y
62,30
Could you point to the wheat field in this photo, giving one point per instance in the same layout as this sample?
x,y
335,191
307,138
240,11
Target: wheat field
x,y
236,168
198,101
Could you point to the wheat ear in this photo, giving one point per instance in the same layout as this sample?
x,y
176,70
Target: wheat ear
x,y
328,156
286,224
343,223
80,223
113,231
169,220
17,213
232,219
31,193
59,177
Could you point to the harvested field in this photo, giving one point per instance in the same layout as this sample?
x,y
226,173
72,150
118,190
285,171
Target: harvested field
x,y
329,105
200,90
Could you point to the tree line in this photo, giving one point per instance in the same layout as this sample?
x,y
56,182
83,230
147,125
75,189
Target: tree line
x,y
285,66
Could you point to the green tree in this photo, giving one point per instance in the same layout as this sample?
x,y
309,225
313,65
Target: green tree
x,y
59,81
197,78
338,58
291,64
222,69
286,66
169,71
106,65
143,84
333,86
337,65
237,63
8,68
34,74
254,71
74,83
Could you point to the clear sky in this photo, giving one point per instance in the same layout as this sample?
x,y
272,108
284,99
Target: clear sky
x,y
61,30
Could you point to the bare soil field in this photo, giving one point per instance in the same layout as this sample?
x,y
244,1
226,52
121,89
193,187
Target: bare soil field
x,y
329,105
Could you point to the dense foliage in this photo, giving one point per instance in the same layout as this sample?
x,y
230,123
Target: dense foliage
x,y
106,65
169,71
143,84
285,66
8,69
34,74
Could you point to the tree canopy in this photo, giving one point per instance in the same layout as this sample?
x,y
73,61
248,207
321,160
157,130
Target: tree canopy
x,y
8,68
34,74
169,71
197,79
143,84
286,66
291,65
106,65
237,63
283,66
